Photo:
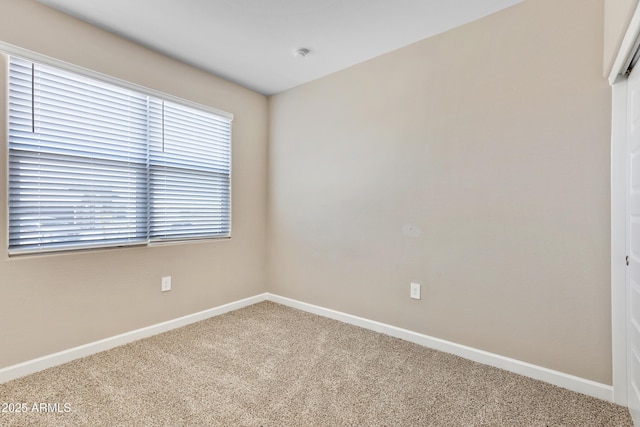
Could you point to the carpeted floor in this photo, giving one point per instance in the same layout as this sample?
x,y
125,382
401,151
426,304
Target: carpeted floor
x,y
269,365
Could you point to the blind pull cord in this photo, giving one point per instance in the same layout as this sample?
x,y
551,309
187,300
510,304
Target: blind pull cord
x,y
163,126
33,99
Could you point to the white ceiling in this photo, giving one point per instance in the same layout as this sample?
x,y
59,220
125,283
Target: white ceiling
x,y
250,42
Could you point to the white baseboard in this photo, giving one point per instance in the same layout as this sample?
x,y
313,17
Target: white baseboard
x,y
571,382
560,379
32,366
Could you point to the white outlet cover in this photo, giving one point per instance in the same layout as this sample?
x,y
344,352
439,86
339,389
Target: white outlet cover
x,y
166,284
415,291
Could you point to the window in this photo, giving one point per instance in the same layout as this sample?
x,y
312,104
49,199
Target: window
x,y
92,164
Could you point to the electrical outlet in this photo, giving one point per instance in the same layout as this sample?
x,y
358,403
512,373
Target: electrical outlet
x,y
414,291
166,284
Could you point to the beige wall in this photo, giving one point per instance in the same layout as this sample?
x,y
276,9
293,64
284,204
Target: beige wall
x,y
51,303
493,140
617,15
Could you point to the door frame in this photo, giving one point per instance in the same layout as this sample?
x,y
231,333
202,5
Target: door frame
x,y
618,242
619,304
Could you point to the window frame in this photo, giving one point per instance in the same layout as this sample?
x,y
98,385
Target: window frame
x,y
8,50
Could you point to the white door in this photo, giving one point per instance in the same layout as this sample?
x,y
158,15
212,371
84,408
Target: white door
x,y
633,242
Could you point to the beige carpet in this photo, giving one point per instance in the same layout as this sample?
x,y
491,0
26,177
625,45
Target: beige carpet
x,y
269,365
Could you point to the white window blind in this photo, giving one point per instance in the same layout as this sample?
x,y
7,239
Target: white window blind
x,y
92,164
189,174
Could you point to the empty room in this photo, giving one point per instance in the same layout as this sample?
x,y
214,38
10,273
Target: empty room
x,y
319,213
